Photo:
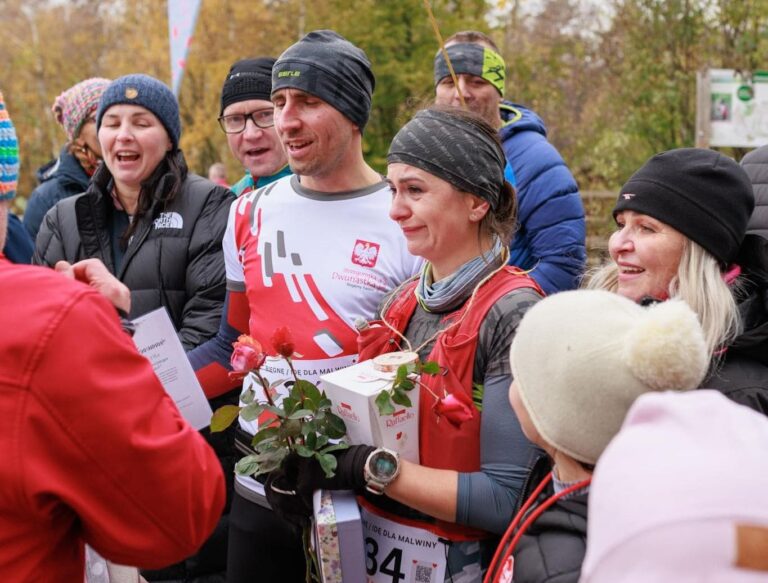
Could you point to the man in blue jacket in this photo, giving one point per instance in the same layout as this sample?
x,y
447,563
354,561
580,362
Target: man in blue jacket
x,y
552,231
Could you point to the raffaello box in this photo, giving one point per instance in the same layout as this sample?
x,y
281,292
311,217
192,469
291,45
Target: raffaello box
x,y
353,391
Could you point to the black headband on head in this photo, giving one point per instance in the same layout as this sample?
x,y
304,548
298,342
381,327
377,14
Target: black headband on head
x,y
454,149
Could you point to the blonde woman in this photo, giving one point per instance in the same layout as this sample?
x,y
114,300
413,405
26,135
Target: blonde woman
x,y
682,221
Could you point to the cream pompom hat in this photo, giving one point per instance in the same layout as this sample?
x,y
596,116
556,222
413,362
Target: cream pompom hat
x,y
581,358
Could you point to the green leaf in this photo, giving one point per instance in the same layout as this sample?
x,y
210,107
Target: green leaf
x,y
252,411
263,434
401,398
290,404
278,383
328,463
304,451
320,441
324,403
276,410
335,427
309,427
401,375
223,417
311,441
247,396
300,414
267,467
335,447
309,390
290,428
247,465
271,463
406,385
430,367
384,403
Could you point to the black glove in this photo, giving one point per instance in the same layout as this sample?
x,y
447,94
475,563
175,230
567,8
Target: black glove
x,y
289,489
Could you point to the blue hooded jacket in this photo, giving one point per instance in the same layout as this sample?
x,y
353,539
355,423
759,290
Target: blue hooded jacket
x,y
60,180
552,229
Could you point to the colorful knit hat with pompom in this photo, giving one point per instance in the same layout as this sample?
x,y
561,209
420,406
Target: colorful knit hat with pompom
x,y
9,155
75,105
581,358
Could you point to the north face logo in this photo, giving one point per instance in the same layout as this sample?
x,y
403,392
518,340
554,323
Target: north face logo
x,y
365,253
169,221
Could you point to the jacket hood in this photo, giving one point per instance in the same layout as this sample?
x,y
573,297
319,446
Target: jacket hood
x,y
517,118
47,170
753,259
66,169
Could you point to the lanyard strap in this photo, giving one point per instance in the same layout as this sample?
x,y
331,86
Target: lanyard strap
x,y
502,554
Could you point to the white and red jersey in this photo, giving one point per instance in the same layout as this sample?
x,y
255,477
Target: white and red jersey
x,y
314,262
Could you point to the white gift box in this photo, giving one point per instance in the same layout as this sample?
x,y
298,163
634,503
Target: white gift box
x,y
353,391
338,537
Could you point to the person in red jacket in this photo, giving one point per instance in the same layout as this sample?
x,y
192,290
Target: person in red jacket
x,y
94,450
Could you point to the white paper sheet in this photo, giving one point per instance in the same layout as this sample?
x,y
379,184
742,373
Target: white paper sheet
x,y
156,339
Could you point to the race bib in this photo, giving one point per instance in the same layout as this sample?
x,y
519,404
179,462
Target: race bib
x,y
396,553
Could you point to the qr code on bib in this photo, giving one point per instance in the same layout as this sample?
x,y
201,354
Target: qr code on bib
x,y
423,572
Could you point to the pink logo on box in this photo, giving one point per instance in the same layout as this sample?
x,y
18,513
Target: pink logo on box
x,y
365,253
345,410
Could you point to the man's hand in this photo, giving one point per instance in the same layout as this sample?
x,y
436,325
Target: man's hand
x,y
94,273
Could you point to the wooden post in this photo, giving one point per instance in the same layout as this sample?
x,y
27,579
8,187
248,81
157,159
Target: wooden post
x,y
703,109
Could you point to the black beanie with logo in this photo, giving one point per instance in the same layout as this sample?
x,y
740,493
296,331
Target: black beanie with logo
x,y
247,79
328,66
701,193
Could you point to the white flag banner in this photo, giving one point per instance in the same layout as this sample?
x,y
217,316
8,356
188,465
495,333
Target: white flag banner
x,y
182,16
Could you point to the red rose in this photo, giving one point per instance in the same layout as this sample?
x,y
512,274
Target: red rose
x,y
246,356
454,410
282,342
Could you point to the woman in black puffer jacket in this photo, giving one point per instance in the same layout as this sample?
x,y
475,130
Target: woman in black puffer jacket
x,y
157,227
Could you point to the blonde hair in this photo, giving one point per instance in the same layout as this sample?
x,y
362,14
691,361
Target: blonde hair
x,y
699,282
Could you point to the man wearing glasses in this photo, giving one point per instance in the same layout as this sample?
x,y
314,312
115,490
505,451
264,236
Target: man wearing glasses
x,y
246,96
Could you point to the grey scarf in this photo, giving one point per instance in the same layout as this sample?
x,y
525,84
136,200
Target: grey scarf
x,y
451,292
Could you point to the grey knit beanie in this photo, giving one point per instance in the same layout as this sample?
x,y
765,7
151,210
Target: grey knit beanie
x,y
330,67
150,94
581,358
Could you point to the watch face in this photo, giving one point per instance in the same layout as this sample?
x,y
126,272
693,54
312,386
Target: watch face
x,y
383,465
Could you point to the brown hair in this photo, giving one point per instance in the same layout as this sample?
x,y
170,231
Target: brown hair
x,y
472,36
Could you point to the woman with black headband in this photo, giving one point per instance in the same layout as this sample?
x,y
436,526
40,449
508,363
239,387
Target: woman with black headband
x,y
449,196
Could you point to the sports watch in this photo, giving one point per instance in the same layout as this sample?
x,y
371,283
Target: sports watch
x,y
381,468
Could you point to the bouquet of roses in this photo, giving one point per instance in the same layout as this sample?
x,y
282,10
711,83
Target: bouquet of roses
x,y
303,421
300,424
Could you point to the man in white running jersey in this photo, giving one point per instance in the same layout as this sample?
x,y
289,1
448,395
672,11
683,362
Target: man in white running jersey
x,y
314,252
